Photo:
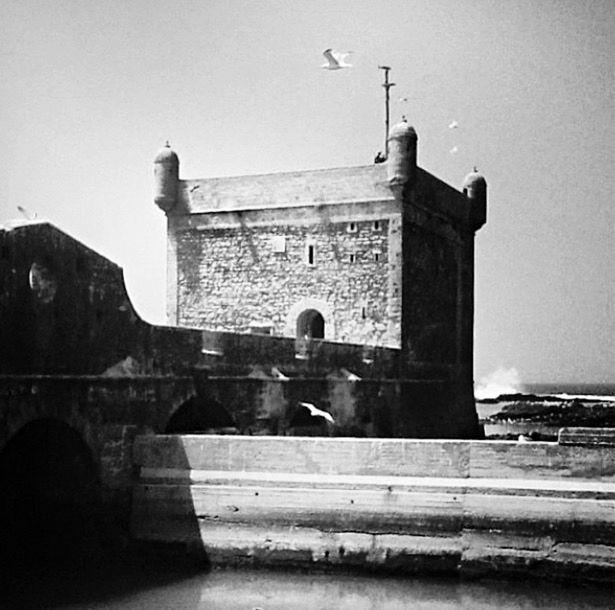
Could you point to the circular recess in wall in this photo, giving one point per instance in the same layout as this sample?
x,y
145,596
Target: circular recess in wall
x,y
42,281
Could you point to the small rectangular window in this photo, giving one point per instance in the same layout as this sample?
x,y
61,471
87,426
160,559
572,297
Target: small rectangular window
x,y
352,258
376,225
352,227
310,254
376,256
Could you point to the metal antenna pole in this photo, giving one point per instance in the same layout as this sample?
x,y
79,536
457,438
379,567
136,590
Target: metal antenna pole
x,y
387,85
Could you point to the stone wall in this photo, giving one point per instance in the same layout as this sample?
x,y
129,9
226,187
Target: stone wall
x,y
475,508
370,407
65,310
287,189
229,278
66,459
251,353
431,287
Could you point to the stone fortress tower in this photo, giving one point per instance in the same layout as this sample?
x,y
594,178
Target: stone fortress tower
x,y
380,254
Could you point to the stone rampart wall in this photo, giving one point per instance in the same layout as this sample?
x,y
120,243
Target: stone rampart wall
x,y
370,407
226,351
64,310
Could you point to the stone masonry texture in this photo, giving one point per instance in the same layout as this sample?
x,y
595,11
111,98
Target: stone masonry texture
x,y
229,278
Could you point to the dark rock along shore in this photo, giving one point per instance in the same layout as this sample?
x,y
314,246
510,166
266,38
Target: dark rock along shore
x,y
549,411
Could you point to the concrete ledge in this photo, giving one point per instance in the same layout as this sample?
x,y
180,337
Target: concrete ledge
x,y
604,437
299,546
535,488
475,508
380,457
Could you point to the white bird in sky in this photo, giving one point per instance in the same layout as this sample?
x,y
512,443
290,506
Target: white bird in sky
x,y
315,412
335,60
453,125
454,150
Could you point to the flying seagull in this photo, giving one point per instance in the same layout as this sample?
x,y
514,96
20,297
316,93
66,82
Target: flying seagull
x,y
335,60
454,150
453,125
315,412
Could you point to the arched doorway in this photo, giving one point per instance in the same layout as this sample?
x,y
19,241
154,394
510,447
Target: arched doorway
x,y
50,498
310,323
299,312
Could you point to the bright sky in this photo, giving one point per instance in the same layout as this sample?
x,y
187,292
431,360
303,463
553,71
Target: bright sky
x,y
91,90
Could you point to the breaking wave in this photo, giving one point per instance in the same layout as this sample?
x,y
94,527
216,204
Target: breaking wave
x,y
506,382
587,397
501,381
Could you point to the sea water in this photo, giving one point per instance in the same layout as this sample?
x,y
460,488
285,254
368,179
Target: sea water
x,y
569,391
507,381
265,590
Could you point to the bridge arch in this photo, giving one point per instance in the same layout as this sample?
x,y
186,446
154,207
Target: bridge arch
x,y
50,497
200,414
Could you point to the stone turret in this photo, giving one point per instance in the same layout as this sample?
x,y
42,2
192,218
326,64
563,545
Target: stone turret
x,y
475,190
166,178
401,162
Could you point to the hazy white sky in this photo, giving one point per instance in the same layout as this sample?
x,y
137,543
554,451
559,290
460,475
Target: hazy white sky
x,y
91,90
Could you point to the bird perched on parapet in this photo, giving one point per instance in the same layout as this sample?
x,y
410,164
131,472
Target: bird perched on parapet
x,y
27,214
350,376
315,412
277,373
335,60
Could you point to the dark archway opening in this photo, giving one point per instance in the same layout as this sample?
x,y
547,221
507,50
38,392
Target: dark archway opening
x,y
57,544
311,324
50,500
200,414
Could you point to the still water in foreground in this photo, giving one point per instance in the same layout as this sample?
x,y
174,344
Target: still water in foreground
x,y
250,590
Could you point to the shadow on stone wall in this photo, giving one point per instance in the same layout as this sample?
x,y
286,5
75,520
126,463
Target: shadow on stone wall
x,y
383,408
166,521
58,544
51,498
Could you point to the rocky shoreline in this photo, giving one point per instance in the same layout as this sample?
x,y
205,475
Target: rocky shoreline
x,y
537,417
